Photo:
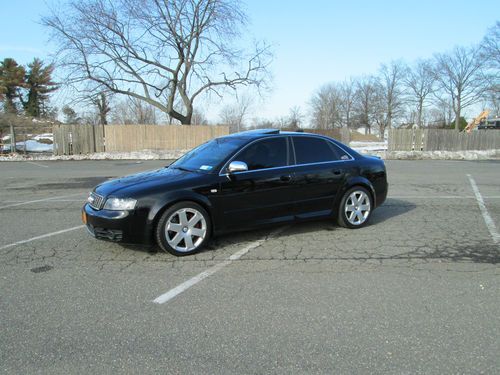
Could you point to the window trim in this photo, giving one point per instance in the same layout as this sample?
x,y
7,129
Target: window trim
x,y
232,158
290,152
327,140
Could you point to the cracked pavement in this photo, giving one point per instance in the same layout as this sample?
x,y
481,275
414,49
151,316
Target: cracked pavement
x,y
416,291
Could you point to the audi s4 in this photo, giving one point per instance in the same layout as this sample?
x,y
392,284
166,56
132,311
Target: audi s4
x,y
236,182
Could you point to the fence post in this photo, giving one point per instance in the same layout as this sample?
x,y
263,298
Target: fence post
x,y
12,139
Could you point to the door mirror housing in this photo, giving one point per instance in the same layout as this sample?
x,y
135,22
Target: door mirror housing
x,y
237,166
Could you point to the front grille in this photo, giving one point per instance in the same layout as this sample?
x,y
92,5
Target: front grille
x,y
96,201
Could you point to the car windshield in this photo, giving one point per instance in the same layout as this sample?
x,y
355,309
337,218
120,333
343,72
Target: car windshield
x,y
208,156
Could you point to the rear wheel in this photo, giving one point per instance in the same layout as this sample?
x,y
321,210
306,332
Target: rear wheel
x,y
183,229
355,208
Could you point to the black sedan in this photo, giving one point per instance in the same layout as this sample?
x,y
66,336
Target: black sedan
x,y
241,181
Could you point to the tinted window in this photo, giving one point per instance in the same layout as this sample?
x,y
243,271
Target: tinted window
x,y
208,156
313,150
340,154
268,153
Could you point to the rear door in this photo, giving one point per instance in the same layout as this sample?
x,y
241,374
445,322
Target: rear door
x,y
263,194
320,171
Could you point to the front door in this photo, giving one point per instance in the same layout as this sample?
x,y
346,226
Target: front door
x,y
264,193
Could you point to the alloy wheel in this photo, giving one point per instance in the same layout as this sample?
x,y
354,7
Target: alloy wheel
x,y
357,207
185,229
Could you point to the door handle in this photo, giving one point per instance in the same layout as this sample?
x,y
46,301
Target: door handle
x,y
286,178
337,172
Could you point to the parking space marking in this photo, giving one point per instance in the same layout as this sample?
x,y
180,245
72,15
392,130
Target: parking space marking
x,y
39,200
41,237
209,272
37,164
441,197
484,211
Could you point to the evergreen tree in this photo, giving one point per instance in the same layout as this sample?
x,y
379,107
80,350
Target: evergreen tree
x,y
39,84
70,115
11,80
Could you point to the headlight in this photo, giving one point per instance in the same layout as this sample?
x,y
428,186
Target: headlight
x,y
118,204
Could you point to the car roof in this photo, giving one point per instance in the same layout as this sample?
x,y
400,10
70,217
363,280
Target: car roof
x,y
259,133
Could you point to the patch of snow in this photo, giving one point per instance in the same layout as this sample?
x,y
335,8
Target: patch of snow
x,y
137,155
368,146
31,146
44,136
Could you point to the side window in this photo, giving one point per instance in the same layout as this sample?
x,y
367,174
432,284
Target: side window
x,y
268,153
313,150
341,154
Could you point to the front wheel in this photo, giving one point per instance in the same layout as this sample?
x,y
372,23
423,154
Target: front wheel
x,y
183,229
355,208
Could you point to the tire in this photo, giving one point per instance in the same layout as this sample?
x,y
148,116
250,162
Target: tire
x,y
355,208
183,229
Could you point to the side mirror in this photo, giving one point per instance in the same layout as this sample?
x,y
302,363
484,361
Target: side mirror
x,y
237,166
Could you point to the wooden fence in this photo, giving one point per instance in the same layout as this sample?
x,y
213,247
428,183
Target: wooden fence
x,y
442,140
86,139
77,139
153,137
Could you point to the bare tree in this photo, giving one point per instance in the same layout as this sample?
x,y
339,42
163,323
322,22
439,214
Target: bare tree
x,y
490,47
347,92
420,84
134,111
235,114
101,102
199,118
390,94
490,52
460,76
163,52
295,117
366,102
325,107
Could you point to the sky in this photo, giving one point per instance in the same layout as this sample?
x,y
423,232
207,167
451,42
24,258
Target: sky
x,y
315,42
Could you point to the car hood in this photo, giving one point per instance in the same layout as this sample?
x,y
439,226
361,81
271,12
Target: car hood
x,y
131,185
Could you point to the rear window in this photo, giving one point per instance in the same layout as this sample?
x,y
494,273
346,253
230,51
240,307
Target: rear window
x,y
313,150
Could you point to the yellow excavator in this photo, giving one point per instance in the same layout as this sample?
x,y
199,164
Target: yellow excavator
x,y
482,117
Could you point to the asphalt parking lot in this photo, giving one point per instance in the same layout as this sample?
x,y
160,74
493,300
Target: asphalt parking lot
x,y
417,291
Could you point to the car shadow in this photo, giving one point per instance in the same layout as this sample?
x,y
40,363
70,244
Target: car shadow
x,y
391,208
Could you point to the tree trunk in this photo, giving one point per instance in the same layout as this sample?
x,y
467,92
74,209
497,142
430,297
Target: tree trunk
x,y
419,114
457,115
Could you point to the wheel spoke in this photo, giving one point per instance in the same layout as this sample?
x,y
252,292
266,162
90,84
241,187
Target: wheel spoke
x,y
360,216
354,199
198,232
189,242
183,218
174,227
177,238
350,207
364,207
195,219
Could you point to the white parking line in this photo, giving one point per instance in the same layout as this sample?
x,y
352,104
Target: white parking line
x,y
40,237
209,272
484,211
441,197
51,200
37,164
39,200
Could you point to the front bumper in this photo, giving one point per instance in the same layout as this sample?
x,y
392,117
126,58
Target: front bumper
x,y
116,226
